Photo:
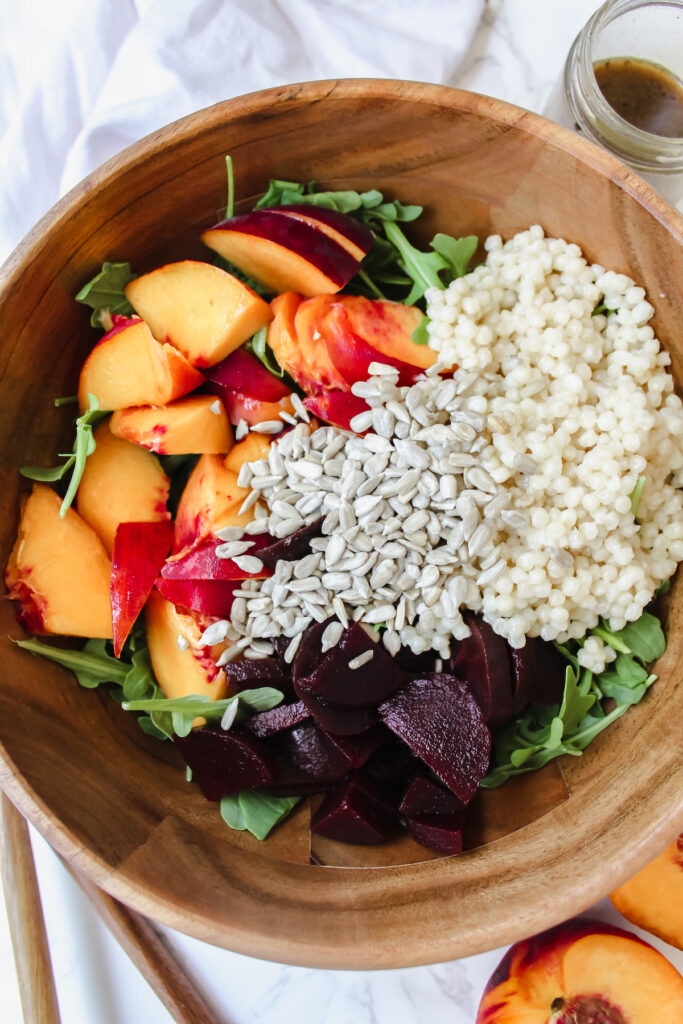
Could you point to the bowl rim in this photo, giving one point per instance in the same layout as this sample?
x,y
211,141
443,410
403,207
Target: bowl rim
x,y
525,920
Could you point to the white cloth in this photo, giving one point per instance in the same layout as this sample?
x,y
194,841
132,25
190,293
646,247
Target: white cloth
x,y
81,79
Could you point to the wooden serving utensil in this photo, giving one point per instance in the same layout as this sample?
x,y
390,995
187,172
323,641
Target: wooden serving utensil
x,y
136,935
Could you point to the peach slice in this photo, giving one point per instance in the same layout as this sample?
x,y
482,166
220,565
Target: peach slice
x,y
653,899
121,483
58,571
203,311
190,426
252,410
251,449
210,501
583,972
283,253
129,367
388,327
353,236
181,666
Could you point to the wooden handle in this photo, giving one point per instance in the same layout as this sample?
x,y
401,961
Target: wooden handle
x,y
152,956
26,922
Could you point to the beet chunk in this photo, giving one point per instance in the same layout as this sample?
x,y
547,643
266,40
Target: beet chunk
x,y
442,723
225,762
342,721
249,674
309,760
393,766
329,676
268,723
538,671
355,812
443,833
434,817
291,548
482,661
424,796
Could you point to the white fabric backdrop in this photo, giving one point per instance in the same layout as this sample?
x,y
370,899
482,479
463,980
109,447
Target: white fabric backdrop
x,y
80,79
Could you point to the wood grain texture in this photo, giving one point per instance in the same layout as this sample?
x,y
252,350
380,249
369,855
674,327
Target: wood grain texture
x,y
152,956
124,815
27,925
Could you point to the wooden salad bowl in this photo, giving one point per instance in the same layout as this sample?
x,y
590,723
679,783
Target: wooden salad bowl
x,y
114,802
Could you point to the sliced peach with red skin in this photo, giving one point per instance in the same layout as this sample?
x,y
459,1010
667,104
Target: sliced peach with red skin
x,y
298,345
352,354
121,483
140,550
250,449
353,236
203,311
202,597
58,571
283,253
253,410
653,899
336,407
129,367
388,327
242,372
181,666
191,426
210,500
579,973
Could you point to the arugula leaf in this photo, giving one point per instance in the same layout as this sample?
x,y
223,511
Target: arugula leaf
x,y
181,712
84,445
105,294
65,400
636,493
230,205
645,638
601,308
92,665
256,810
456,251
258,348
663,588
420,335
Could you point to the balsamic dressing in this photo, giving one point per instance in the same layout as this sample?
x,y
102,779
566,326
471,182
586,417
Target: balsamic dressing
x,y
645,94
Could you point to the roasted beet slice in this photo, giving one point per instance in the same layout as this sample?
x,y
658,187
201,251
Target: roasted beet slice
x,y
393,766
337,719
442,723
415,664
291,548
225,762
442,833
329,677
483,662
538,671
268,723
357,749
250,673
309,760
424,796
355,812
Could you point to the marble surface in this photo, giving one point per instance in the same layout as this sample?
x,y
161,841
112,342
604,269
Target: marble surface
x,y
517,55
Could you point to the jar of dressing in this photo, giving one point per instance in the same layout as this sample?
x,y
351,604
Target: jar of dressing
x,y
623,88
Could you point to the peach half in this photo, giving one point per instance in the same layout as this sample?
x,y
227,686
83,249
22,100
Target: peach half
x,y
190,426
181,666
58,571
283,253
121,483
653,899
129,367
203,311
583,972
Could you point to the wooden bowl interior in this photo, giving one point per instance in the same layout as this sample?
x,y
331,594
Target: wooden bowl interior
x,y
114,802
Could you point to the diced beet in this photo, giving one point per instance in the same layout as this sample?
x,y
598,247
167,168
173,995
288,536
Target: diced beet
x,y
291,548
357,749
355,812
427,797
225,762
442,723
442,833
415,664
268,723
250,673
280,643
307,762
336,718
393,766
329,677
482,661
538,671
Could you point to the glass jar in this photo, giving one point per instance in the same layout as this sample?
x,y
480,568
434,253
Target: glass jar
x,y
638,30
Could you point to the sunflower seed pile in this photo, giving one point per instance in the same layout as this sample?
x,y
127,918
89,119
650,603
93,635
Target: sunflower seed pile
x,y
411,521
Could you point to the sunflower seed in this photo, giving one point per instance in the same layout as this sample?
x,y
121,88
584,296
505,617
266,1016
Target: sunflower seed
x,y
361,659
248,563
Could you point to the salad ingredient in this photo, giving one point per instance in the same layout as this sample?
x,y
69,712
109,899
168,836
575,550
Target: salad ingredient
x,y
205,597
121,483
297,344
653,898
251,449
582,971
355,812
482,659
584,405
210,502
203,311
129,367
434,817
310,760
58,571
256,811
194,425
352,354
353,236
243,373
268,723
139,553
440,720
337,408
283,253
252,412
225,762
106,294
386,327
182,664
